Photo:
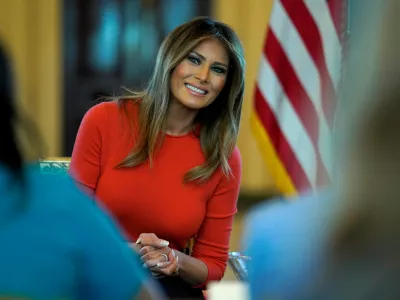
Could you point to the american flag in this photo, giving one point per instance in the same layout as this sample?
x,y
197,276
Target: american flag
x,y
296,88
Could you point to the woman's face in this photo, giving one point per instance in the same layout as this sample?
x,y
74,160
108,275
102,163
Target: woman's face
x,y
200,77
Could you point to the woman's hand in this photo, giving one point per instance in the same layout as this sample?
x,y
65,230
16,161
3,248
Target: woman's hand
x,y
157,256
137,247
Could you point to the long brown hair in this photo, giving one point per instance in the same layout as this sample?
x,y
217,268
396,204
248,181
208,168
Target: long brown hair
x,y
219,121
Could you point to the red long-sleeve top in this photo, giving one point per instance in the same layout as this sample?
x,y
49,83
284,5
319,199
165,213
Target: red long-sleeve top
x,y
146,199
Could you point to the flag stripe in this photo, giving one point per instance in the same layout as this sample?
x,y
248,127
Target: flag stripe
x,y
296,94
283,180
330,39
307,28
286,155
288,122
338,14
293,46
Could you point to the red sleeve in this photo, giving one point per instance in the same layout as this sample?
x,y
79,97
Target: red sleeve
x,y
212,241
86,156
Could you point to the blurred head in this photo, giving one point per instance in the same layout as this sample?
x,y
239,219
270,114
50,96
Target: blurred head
x,y
366,236
10,155
200,65
373,160
364,242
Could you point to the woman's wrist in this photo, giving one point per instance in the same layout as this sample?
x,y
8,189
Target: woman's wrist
x,y
191,270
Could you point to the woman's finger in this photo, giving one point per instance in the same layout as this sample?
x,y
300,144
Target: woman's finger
x,y
155,254
163,265
171,269
150,239
146,249
154,261
157,269
171,255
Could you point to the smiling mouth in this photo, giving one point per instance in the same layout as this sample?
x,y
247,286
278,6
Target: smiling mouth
x,y
195,89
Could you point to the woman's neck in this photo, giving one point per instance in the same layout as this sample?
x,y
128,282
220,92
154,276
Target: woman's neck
x,y
180,119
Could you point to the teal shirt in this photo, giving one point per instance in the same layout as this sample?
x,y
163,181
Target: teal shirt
x,y
58,244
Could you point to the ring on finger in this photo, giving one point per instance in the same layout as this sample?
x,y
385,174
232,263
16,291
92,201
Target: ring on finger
x,y
165,257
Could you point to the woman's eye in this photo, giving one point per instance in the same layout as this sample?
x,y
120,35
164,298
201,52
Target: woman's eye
x,y
194,60
219,70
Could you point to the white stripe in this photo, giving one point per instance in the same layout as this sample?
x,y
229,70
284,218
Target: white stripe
x,y
297,53
330,40
288,120
305,69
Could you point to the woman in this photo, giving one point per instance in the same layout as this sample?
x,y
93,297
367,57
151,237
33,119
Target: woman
x,y
164,160
55,244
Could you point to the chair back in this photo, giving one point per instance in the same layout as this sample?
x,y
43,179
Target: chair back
x,y
54,165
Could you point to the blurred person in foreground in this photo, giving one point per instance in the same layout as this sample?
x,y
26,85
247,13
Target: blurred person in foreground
x,y
55,244
344,245
363,260
165,160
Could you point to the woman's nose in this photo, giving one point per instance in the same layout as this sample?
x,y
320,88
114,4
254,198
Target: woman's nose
x,y
203,73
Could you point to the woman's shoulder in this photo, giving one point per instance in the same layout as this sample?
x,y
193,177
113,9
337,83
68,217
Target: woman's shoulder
x,y
114,106
235,156
235,165
101,109
235,160
110,112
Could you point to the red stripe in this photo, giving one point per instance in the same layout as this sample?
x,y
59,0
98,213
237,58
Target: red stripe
x,y
278,139
294,90
338,11
304,23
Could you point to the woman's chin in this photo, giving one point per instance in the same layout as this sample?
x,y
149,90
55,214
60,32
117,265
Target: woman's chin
x,y
195,104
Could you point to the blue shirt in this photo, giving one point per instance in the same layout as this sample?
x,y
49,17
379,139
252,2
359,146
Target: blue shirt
x,y
286,241
57,244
